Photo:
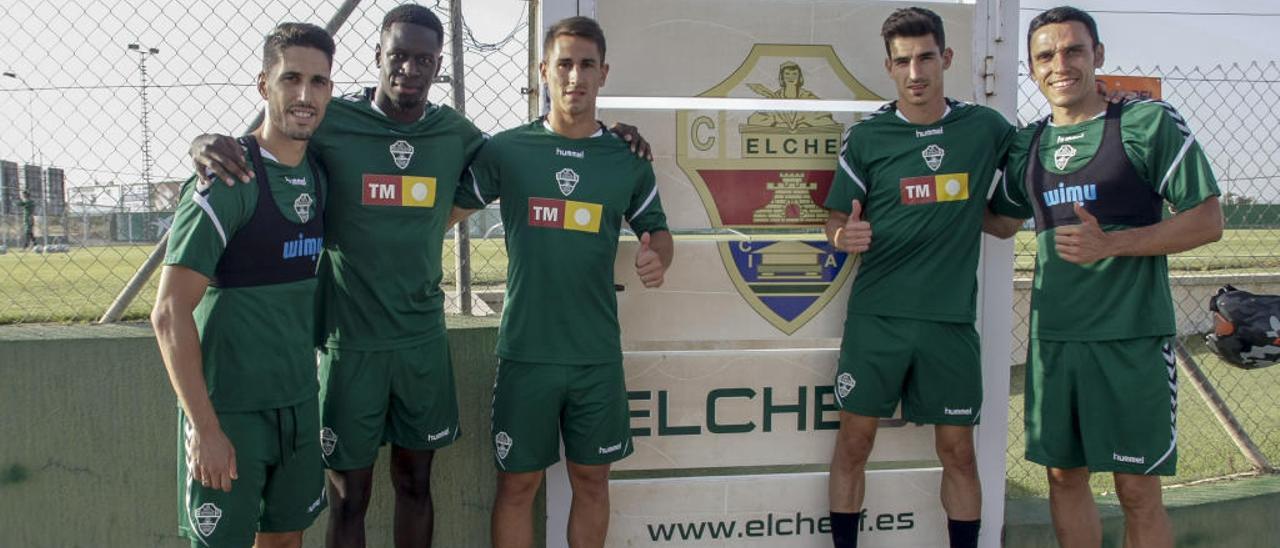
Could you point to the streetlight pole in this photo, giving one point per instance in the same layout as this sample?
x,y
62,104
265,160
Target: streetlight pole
x,y
143,52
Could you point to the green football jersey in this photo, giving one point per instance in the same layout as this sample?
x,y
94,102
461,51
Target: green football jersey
x,y
257,343
924,189
563,203
1117,297
392,190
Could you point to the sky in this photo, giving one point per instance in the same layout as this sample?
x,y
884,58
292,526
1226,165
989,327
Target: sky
x,y
85,100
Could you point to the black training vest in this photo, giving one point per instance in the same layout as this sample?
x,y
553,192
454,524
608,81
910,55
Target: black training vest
x,y
1110,188
270,248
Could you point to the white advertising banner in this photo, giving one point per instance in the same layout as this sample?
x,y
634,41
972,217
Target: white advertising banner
x,y
901,510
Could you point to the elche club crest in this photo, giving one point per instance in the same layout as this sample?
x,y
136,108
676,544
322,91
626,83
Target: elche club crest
x,y
567,179
401,153
328,440
302,206
933,155
207,517
768,172
845,384
1063,155
502,444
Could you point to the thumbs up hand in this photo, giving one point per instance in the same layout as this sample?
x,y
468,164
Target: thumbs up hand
x,y
648,264
1083,243
855,235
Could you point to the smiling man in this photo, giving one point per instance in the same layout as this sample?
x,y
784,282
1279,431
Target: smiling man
x,y
918,171
1101,386
235,318
565,186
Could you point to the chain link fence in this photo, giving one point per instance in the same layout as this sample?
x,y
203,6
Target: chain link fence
x,y
104,128
99,101
1231,112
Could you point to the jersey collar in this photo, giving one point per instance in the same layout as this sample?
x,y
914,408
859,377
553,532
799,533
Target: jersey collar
x,y
547,124
945,112
425,110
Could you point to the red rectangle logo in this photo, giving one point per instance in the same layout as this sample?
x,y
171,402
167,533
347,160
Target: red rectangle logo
x,y
918,190
546,212
380,190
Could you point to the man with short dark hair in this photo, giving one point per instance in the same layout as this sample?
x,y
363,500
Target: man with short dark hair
x,y
234,318
565,186
1101,386
918,171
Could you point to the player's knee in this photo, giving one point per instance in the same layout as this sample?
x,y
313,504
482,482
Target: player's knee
x,y
411,474
590,482
958,457
518,488
351,500
291,539
853,448
1068,478
1139,494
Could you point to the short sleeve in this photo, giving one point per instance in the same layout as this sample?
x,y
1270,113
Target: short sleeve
x,y
479,167
644,214
1010,197
848,184
207,217
1161,146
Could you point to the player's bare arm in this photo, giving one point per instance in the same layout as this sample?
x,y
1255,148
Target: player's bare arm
x,y
654,257
1086,242
1000,226
848,232
221,155
213,459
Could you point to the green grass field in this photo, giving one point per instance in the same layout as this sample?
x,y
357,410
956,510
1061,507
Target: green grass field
x,y
79,285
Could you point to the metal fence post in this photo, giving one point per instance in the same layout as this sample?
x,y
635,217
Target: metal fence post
x,y
1221,411
461,236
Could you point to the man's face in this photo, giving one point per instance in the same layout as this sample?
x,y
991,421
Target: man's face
x,y
297,89
408,59
574,73
915,64
1063,61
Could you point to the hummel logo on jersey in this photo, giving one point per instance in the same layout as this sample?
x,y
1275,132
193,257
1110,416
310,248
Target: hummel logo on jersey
x,y
1125,458
302,247
933,156
401,153
567,179
611,449
579,154
928,132
439,435
968,411
302,205
1069,138
502,444
207,516
1063,155
328,440
1070,194
845,384
295,181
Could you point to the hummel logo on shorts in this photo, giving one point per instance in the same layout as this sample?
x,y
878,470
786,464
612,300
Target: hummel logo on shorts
x,y
1131,460
439,435
611,448
966,411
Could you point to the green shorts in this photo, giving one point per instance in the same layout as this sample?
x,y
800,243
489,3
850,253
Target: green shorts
x,y
534,402
281,479
934,368
404,397
1108,405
